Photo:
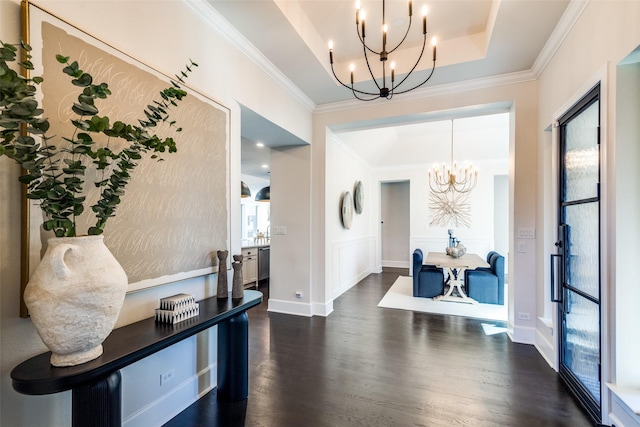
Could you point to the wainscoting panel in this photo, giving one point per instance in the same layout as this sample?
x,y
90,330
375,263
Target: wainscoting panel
x,y
621,414
353,260
146,402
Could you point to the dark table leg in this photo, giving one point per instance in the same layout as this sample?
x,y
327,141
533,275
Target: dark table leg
x,y
233,358
99,404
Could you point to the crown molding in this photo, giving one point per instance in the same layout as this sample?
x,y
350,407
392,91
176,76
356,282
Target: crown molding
x,y
569,18
567,21
571,15
444,89
207,13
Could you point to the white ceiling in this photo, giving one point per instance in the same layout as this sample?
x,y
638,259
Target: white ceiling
x,y
477,40
476,140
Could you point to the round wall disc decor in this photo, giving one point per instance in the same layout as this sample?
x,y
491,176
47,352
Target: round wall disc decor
x,y
358,197
346,210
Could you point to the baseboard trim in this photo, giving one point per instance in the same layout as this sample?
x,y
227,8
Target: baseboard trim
x,y
322,309
170,404
546,349
290,307
522,334
395,264
350,284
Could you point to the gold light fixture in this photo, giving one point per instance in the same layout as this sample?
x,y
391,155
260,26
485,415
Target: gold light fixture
x,y
382,90
453,178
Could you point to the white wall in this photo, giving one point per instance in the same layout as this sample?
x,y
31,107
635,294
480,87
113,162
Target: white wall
x,y
291,208
626,295
163,35
627,292
479,238
521,169
605,33
352,250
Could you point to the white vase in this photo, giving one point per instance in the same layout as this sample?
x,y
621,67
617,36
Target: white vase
x,y
74,297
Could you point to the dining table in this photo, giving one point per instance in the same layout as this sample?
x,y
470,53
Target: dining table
x,y
454,269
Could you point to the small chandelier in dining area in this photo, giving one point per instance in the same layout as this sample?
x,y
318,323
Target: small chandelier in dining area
x,y
384,91
453,178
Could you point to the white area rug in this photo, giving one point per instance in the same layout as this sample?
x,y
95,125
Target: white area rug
x,y
400,296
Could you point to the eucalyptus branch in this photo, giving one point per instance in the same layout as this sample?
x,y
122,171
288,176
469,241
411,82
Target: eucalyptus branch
x,y
57,182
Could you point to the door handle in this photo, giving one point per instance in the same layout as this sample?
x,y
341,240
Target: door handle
x,y
553,279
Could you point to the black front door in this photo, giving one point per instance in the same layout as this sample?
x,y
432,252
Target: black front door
x,y
578,295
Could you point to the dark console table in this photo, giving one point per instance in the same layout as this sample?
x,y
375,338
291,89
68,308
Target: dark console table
x,y
95,385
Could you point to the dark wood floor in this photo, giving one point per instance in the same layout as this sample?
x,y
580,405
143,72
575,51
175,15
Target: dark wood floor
x,y
370,366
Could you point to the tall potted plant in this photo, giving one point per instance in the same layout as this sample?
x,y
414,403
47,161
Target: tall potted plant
x,y
75,294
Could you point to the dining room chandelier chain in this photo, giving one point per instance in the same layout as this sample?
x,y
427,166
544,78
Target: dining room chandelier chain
x,y
383,91
453,178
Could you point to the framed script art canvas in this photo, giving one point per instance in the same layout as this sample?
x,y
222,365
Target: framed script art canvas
x,y
174,215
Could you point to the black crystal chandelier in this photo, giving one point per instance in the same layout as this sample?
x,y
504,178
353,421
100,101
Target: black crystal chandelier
x,y
383,91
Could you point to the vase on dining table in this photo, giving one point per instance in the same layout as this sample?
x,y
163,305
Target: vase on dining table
x,y
456,251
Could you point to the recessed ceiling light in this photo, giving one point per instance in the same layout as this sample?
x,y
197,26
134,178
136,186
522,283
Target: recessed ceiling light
x,y
259,144
265,166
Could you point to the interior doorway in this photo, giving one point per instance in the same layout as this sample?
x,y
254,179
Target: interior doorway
x,y
501,219
395,224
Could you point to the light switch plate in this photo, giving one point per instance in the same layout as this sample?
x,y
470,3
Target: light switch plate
x,y
279,230
526,233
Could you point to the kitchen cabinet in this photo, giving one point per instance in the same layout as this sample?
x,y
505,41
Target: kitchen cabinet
x,y
249,265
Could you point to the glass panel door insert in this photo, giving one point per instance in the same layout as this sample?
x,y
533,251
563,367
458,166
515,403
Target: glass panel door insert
x,y
579,251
